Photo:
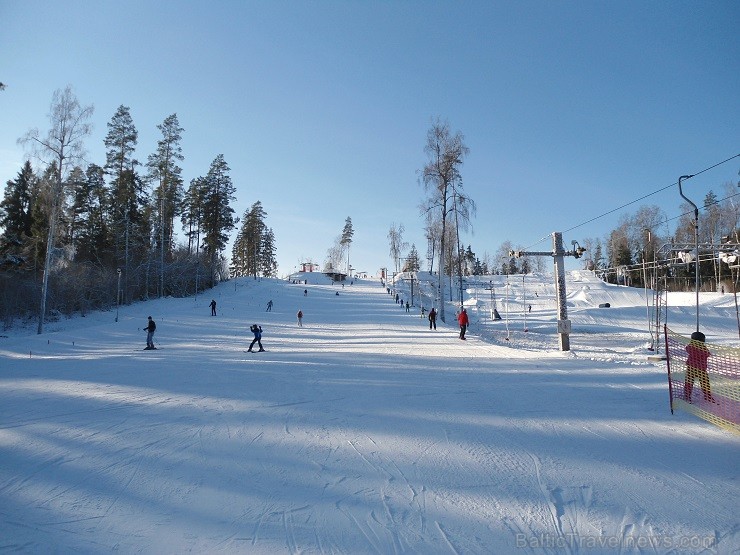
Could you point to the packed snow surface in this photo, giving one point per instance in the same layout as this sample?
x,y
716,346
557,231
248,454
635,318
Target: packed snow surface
x,y
363,431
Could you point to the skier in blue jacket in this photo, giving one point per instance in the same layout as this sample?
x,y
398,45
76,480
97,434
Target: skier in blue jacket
x,y
257,331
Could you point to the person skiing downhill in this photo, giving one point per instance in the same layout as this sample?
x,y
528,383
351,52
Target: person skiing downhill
x,y
257,331
462,319
213,307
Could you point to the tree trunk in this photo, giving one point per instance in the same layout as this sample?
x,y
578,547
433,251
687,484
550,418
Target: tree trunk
x,y
47,265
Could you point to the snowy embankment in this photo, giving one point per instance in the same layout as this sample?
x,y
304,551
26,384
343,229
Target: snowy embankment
x,y
361,432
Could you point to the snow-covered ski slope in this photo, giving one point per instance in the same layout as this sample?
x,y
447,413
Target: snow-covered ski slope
x,y
362,431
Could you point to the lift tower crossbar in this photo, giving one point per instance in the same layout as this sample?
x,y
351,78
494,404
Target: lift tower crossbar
x,y
558,254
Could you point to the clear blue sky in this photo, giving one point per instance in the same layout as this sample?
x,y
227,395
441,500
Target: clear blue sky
x,y
321,108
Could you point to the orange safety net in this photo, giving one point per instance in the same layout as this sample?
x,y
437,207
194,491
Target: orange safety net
x,y
704,379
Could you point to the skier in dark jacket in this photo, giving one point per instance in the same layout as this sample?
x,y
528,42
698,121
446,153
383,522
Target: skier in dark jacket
x,y
433,319
257,331
213,307
149,329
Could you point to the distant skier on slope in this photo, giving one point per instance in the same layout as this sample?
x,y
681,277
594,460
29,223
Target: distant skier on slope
x,y
462,319
149,329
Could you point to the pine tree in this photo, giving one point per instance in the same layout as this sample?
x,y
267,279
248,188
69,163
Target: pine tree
x,y
469,261
525,267
623,254
346,239
253,252
42,194
93,241
598,256
268,258
218,216
123,202
120,143
166,174
412,260
246,250
238,266
15,211
71,213
192,213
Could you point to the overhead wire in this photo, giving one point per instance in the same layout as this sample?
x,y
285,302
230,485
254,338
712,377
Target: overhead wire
x,y
635,201
691,211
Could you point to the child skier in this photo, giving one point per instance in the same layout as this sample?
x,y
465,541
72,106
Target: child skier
x,y
257,331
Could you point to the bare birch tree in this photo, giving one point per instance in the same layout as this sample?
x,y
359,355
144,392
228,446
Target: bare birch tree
x,y
442,179
397,244
62,148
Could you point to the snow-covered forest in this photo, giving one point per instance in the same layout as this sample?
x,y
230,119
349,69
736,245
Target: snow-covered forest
x,y
108,230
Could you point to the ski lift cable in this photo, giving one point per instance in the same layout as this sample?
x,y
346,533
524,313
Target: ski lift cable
x,y
635,201
691,211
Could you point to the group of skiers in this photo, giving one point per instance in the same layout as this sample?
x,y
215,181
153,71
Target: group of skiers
x,y
462,319
462,316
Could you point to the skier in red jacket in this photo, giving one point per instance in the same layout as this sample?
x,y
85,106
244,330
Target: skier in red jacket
x,y
462,319
696,367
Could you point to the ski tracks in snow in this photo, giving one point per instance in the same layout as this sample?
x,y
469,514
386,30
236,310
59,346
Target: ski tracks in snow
x,y
403,511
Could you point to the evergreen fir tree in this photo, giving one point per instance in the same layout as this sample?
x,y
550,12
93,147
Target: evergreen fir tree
x,y
41,208
469,261
268,261
218,216
412,260
238,254
120,143
598,256
92,242
71,213
253,252
477,267
346,239
166,175
253,226
192,213
123,202
15,211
